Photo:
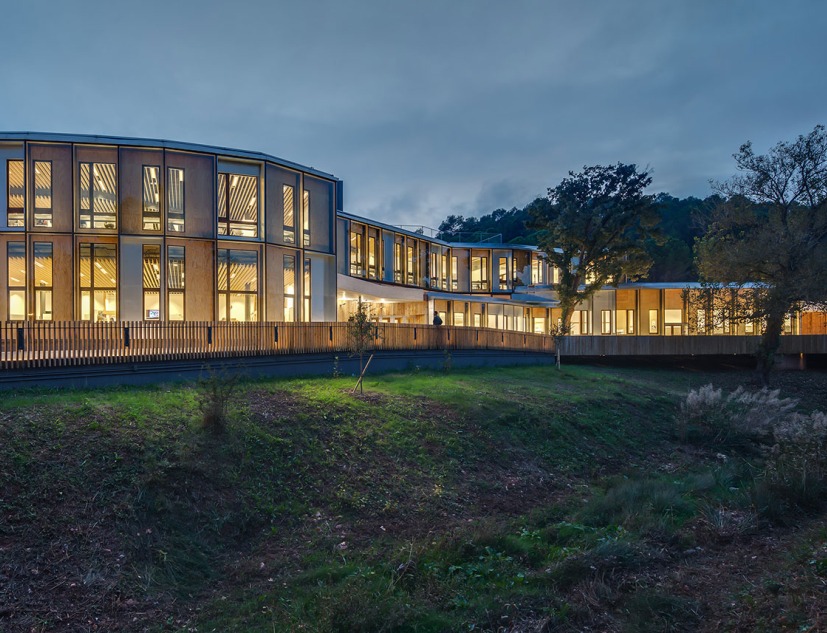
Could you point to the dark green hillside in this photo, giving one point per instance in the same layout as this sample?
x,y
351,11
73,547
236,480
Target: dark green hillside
x,y
488,500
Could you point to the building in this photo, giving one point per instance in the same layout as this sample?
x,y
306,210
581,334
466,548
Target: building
x,y
110,229
99,228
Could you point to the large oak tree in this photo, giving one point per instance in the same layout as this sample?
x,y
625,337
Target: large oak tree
x,y
771,228
594,228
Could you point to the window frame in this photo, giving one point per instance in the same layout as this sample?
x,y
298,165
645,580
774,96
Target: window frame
x,y
170,290
18,286
38,222
169,193
17,223
96,218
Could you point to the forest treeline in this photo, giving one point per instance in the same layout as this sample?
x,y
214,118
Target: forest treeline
x,y
682,220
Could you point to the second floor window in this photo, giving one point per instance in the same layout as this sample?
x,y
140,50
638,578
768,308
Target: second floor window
x,y
237,205
289,215
98,196
15,198
398,263
479,273
151,199
356,254
306,218
43,193
175,200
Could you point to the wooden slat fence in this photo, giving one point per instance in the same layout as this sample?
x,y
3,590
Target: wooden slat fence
x,y
62,344
712,345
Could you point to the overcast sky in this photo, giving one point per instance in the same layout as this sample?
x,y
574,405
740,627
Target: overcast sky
x,y
429,107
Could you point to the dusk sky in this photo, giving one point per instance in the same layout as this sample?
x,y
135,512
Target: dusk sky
x,y
429,107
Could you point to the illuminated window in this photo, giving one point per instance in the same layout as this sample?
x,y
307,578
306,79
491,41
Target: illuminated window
x,y
43,281
398,261
16,265
630,321
289,288
454,272
410,264
98,193
15,196
434,265
152,282
237,285
42,193
444,272
580,323
373,257
356,247
151,198
749,327
502,266
237,205
605,321
653,321
175,200
306,217
98,282
306,290
288,204
479,273
175,283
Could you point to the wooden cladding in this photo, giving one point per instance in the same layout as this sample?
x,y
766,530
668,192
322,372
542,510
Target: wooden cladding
x,y
72,343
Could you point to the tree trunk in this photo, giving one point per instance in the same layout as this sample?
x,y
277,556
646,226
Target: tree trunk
x,y
770,342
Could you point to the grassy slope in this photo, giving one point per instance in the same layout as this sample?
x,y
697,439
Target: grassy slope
x,y
480,500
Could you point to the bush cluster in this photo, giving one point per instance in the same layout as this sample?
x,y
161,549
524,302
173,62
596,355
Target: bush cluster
x,y
792,467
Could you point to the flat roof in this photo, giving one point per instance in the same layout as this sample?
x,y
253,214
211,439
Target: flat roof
x,y
93,139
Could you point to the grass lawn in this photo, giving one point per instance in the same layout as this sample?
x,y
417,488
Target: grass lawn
x,y
520,499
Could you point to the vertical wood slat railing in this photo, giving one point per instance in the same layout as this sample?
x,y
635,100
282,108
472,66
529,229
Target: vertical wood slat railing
x,y
71,343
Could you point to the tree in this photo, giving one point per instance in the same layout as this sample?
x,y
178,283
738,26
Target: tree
x,y
594,227
771,228
361,333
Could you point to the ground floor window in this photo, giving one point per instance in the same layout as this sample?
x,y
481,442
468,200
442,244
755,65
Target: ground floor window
x,y
43,281
653,321
306,290
16,282
289,288
605,321
98,282
175,283
237,285
152,281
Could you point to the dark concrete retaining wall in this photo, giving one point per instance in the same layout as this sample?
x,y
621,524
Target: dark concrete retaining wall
x,y
258,367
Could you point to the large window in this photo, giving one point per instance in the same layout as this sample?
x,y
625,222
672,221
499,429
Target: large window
x,y
16,263
98,282
175,200
398,261
411,264
237,205
175,283
580,323
605,321
433,261
237,285
98,193
42,193
479,273
653,321
306,217
306,290
454,272
152,282
356,250
444,271
289,288
502,266
15,196
43,281
373,257
288,203
151,212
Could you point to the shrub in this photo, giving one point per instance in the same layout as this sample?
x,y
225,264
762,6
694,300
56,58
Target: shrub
x,y
738,420
217,390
